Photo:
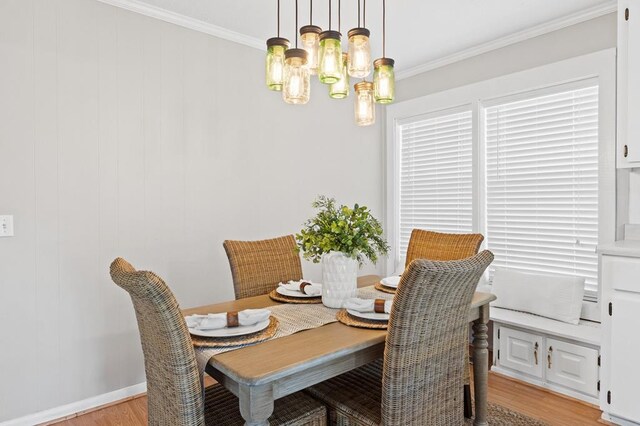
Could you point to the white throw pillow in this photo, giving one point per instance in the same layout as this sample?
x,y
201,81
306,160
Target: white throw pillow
x,y
552,296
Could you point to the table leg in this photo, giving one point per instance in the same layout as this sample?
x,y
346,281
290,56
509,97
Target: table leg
x,y
256,404
481,365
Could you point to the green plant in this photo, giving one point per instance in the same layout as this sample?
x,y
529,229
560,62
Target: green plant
x,y
353,231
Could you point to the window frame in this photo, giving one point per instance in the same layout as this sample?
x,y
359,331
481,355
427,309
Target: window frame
x,y
598,67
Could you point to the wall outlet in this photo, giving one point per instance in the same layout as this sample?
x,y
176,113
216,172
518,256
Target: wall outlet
x,y
6,226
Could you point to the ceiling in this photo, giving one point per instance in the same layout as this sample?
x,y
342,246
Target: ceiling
x,y
418,31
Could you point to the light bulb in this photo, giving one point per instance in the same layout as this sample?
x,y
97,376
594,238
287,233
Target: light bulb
x,y
295,89
330,66
365,110
274,64
359,65
310,38
384,80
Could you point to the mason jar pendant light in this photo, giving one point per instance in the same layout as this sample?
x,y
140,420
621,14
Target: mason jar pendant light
x,y
330,67
365,109
274,64
296,86
359,64
384,84
340,89
310,38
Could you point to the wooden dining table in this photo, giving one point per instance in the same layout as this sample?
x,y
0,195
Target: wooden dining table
x,y
262,373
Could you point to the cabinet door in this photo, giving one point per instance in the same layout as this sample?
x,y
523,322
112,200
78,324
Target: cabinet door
x,y
628,83
572,366
623,362
521,351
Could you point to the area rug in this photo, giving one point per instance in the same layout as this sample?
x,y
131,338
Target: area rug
x,y
501,416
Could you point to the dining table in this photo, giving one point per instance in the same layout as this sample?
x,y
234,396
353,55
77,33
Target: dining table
x,y
261,373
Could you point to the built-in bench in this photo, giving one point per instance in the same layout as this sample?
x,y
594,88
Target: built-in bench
x,y
553,354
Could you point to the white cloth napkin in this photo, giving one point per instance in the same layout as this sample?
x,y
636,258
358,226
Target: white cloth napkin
x,y
391,281
366,305
314,289
216,321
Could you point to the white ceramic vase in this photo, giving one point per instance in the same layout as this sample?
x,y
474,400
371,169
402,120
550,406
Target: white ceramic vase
x,y
339,279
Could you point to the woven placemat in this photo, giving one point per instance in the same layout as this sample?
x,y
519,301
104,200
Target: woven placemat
x,y
248,339
384,288
344,317
287,299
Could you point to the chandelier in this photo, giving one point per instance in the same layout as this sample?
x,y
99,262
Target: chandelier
x,y
289,70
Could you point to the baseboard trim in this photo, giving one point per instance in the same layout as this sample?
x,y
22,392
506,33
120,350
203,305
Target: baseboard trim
x,y
77,407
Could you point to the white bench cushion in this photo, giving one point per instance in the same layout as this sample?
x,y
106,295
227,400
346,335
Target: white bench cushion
x,y
550,296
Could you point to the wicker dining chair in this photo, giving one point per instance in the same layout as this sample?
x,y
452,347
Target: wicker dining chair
x,y
431,245
258,266
174,387
418,382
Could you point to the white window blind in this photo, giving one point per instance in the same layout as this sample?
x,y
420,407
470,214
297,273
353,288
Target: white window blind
x,y
542,183
435,175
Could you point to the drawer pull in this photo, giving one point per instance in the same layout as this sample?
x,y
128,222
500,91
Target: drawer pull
x,y
549,356
626,151
535,353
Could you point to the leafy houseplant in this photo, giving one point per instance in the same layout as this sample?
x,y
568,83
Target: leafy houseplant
x,y
342,238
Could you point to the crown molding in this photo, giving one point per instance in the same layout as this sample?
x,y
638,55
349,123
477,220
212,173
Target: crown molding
x,y
217,31
532,32
186,22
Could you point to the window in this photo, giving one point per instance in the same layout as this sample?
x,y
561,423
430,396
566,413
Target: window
x,y
542,183
526,159
435,174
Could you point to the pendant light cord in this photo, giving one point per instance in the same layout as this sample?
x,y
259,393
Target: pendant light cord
x,y
358,13
384,28
329,15
310,12
278,18
296,29
364,13
339,17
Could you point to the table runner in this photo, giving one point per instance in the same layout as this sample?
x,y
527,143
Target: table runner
x,y
292,319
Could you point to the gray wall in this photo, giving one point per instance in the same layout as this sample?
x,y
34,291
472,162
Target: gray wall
x,y
126,136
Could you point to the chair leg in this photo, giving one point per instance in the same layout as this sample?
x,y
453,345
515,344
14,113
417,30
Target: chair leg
x,y
468,408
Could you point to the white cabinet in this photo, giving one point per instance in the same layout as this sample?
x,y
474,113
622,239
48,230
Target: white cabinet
x,y
628,84
572,366
621,339
520,351
565,366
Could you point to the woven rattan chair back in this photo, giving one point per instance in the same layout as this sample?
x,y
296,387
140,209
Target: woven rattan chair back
x,y
440,246
423,358
258,266
174,390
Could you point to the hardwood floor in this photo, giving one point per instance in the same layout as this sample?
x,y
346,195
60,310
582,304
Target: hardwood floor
x,y
518,396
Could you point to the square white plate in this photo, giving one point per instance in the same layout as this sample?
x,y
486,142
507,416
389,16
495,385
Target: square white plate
x,y
391,281
369,315
290,293
231,331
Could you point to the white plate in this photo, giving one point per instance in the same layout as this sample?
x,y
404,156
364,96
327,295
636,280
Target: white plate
x,y
369,315
231,331
290,293
391,281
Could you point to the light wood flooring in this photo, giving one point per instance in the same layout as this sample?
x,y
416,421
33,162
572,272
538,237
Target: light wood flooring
x,y
518,396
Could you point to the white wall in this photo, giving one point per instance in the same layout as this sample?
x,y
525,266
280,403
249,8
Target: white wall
x,y
126,136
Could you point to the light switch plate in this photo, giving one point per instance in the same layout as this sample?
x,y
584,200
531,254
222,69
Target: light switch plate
x,y
6,226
